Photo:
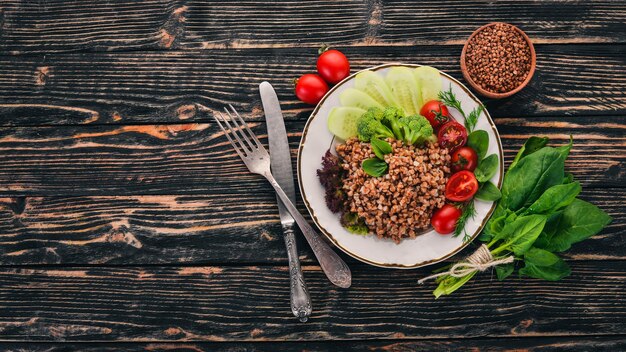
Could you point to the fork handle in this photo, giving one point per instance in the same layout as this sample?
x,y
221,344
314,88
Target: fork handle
x,y
332,265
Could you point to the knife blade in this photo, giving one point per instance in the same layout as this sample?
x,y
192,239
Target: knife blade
x,y
280,161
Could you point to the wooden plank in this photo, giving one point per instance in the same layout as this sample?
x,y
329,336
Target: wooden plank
x,y
195,158
168,24
532,344
183,304
198,229
139,87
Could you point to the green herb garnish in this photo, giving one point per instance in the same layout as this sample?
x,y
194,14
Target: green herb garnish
x,y
449,99
374,167
469,211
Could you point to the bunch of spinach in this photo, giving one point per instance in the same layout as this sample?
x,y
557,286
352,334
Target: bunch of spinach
x,y
537,217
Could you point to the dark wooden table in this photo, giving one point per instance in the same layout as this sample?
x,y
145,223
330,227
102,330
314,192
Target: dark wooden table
x,y
127,222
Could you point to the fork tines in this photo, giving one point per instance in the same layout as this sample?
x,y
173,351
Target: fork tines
x,y
240,131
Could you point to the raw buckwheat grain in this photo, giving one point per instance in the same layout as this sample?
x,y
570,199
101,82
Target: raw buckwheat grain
x,y
498,58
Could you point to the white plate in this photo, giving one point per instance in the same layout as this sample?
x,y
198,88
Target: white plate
x,y
425,249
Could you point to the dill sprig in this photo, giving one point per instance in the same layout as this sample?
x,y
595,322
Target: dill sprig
x,y
469,211
449,98
472,118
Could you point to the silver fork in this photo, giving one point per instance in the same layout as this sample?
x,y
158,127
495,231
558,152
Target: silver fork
x,y
256,158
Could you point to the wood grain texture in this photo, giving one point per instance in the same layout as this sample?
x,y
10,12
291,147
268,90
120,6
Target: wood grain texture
x,y
55,26
195,229
195,158
251,304
531,344
139,87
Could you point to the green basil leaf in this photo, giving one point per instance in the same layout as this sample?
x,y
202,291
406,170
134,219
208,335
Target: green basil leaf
x,y
532,175
531,145
579,221
522,232
555,198
379,154
374,167
479,141
569,178
488,192
380,147
542,264
487,168
504,270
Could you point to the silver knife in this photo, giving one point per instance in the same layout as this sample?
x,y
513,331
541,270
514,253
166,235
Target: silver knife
x,y
281,169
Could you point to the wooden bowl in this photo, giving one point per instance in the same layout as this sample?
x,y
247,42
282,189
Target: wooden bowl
x,y
493,95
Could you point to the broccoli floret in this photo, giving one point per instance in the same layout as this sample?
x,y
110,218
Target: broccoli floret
x,y
391,115
375,113
354,224
415,129
369,126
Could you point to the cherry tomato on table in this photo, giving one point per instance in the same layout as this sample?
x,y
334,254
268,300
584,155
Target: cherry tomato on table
x,y
333,66
310,88
464,158
444,220
461,186
436,113
452,135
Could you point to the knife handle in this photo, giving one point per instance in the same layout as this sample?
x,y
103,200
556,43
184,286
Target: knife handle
x,y
300,299
332,265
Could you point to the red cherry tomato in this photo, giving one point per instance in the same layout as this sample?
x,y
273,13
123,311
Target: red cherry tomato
x,y
461,186
310,88
333,66
444,220
436,113
464,158
452,135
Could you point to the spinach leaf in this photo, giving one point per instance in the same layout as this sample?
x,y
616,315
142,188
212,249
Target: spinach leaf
x,y
520,234
564,150
555,198
495,224
531,145
504,270
579,221
479,141
374,167
488,192
548,231
486,168
532,175
542,264
380,148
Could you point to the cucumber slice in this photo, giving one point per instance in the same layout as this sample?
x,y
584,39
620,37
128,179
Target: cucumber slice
x,y
402,82
429,81
342,121
358,99
374,85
